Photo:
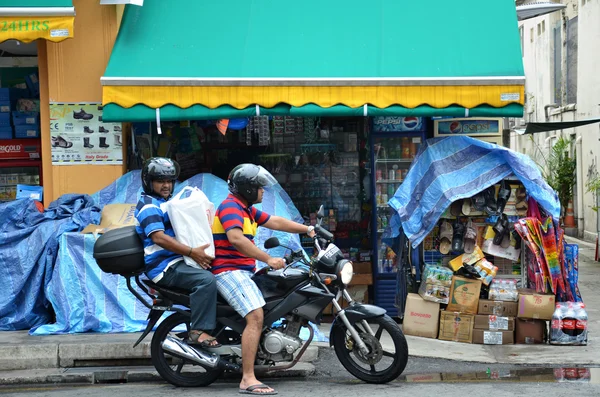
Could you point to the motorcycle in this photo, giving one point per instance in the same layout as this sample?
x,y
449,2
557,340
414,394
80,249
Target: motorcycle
x,y
294,295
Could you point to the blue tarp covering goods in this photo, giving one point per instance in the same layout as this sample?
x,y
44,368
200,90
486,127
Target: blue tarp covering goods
x,y
454,168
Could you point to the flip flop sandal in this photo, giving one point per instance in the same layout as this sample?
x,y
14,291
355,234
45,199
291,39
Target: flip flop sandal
x,y
500,228
470,238
506,239
446,233
207,343
478,201
458,242
254,390
456,208
503,196
466,207
491,207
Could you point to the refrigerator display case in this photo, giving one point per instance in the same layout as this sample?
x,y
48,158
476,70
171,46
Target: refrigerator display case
x,y
395,142
20,164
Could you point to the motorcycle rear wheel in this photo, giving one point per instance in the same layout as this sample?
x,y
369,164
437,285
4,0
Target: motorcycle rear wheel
x,y
172,368
355,362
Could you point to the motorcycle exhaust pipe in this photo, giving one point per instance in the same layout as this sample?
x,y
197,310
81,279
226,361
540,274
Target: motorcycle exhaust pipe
x,y
207,360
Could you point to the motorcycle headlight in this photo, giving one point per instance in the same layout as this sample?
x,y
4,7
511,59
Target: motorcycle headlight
x,y
346,273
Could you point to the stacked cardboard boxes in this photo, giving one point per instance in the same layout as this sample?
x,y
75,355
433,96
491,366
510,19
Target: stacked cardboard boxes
x,y
534,310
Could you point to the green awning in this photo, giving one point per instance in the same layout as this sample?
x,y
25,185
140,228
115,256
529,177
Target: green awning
x,y
28,20
385,54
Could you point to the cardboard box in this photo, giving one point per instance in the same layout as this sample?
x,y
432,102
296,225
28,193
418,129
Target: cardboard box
x,y
464,295
485,337
499,308
530,331
362,268
359,293
421,317
362,279
494,323
113,216
536,306
469,259
457,327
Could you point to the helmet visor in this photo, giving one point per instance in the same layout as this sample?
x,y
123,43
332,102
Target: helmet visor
x,y
264,178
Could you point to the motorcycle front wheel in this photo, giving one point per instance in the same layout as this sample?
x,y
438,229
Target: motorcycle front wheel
x,y
175,370
388,350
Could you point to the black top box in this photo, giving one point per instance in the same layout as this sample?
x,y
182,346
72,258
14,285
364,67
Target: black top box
x,y
120,251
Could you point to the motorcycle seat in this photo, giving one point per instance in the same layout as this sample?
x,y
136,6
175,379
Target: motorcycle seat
x,y
180,291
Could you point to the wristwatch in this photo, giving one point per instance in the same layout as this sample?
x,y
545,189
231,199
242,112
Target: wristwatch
x,y
310,229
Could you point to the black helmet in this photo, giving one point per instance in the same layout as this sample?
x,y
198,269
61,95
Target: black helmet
x,y
158,168
245,180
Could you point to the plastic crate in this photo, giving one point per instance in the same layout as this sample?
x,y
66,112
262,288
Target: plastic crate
x,y
25,118
27,131
33,83
4,119
5,107
12,94
6,132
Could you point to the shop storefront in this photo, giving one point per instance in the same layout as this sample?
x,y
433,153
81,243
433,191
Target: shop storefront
x,y
22,23
49,79
307,95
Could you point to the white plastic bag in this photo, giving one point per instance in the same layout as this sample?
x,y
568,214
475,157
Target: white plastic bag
x,y
192,214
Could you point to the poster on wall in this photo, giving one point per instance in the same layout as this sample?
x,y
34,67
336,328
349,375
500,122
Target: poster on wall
x,y
78,135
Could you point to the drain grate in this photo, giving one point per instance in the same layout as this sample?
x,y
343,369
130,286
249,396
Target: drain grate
x,y
110,377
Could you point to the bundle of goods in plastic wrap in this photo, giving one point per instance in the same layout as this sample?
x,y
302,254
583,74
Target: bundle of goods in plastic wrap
x,y
569,324
435,284
504,290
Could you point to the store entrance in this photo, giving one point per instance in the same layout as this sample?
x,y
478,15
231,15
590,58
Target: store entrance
x,y
20,146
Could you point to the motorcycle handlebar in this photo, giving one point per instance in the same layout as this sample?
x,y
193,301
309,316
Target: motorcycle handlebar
x,y
323,233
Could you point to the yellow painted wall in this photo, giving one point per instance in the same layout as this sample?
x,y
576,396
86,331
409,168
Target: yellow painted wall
x,y
70,72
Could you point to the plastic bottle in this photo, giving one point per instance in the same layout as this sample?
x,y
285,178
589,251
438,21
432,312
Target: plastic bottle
x,y
568,324
581,324
556,326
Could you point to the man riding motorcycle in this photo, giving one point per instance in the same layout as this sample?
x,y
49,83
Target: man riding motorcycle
x,y
234,229
163,254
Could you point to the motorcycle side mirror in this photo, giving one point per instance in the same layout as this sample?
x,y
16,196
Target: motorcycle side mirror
x,y
272,242
321,212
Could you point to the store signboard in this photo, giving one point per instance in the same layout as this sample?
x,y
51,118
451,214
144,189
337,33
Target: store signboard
x,y
398,124
78,135
20,149
468,127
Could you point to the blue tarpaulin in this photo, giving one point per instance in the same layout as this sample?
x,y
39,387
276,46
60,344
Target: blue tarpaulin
x,y
86,299
454,168
28,250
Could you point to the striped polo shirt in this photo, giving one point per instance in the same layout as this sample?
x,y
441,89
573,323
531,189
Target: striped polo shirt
x,y
151,215
231,214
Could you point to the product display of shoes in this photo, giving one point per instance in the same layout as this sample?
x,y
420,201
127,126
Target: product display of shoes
x,y
87,130
59,141
103,130
86,143
103,144
117,128
118,140
82,115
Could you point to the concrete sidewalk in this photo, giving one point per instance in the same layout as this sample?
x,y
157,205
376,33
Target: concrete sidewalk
x,y
89,357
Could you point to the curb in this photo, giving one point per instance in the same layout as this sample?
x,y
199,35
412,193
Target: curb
x,y
116,375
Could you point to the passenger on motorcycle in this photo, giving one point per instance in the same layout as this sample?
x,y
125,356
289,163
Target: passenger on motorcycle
x,y
163,255
234,228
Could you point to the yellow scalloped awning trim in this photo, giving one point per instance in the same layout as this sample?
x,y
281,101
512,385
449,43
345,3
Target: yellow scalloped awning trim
x,y
379,96
30,28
